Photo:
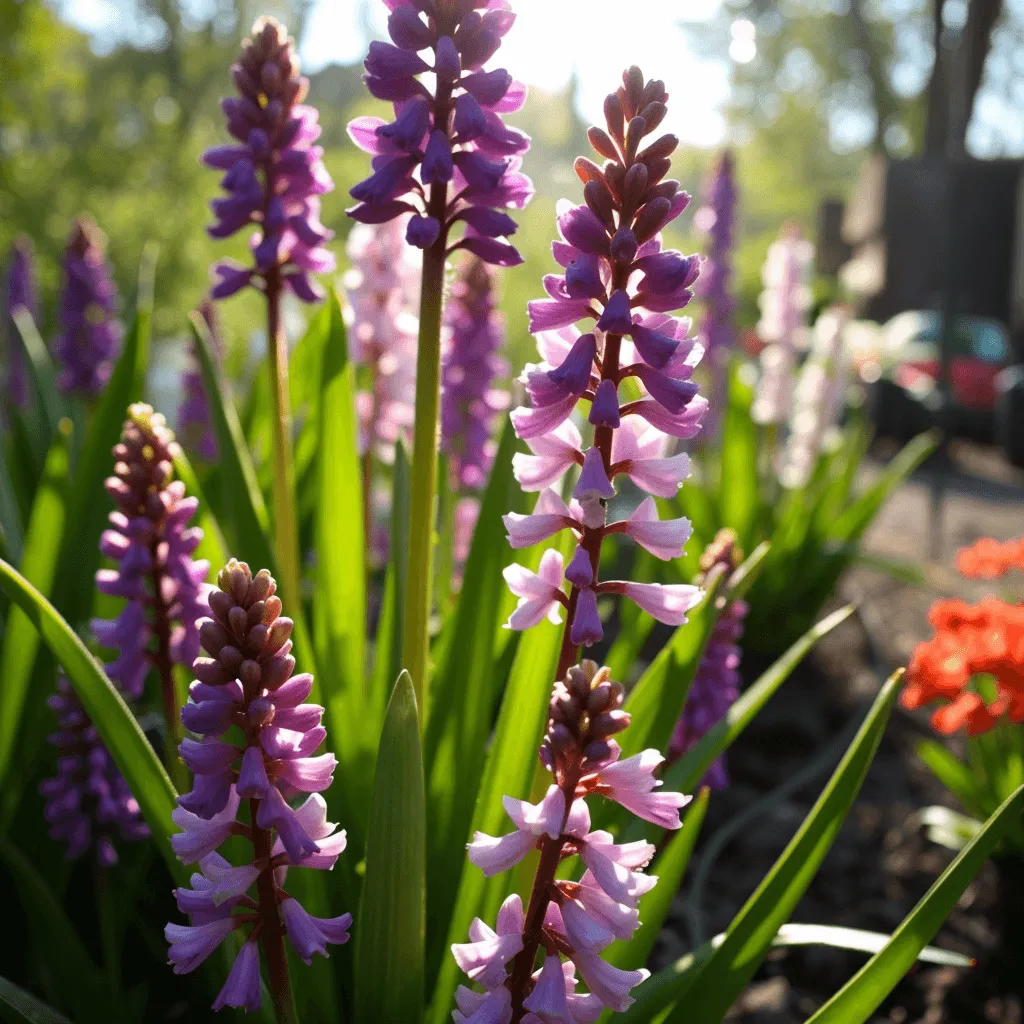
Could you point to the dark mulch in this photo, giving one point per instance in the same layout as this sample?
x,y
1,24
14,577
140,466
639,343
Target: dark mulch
x,y
881,863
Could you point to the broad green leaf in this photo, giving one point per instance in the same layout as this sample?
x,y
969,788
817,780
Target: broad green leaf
x,y
670,984
464,695
115,723
76,977
687,772
249,522
391,924
11,526
858,999
38,566
212,547
956,776
20,1007
750,933
508,770
89,504
670,866
339,611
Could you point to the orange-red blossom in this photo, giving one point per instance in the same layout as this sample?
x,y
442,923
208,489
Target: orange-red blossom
x,y
971,640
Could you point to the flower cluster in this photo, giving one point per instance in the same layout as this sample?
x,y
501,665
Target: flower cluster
x,y
447,156
973,641
988,559
717,218
247,684
274,178
617,274
784,304
471,364
90,334
383,292
716,683
576,920
19,293
817,400
152,543
194,411
87,803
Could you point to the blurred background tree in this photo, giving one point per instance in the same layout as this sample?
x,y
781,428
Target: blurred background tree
x,y
113,123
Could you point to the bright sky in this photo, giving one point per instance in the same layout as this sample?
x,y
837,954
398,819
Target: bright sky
x,y
552,39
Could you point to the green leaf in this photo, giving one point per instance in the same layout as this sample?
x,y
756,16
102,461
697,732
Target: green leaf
x,y
89,505
858,999
40,367
39,566
390,640
670,984
11,527
901,569
391,923
750,933
464,695
76,977
339,611
105,706
956,776
20,1007
508,769
248,521
212,547
850,526
689,770
670,866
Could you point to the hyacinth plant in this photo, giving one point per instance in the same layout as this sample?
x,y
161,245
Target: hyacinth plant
x,y
449,161
551,918
274,177
717,218
19,294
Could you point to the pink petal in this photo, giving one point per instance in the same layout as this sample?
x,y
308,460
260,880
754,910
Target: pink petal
x,y
494,855
668,603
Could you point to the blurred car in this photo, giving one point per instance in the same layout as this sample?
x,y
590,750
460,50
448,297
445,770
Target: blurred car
x,y
903,374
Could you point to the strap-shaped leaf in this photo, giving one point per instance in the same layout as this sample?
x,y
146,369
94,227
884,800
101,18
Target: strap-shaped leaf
x,y
670,984
464,695
39,566
508,769
750,933
116,725
689,770
248,520
40,367
391,923
858,999
339,611
20,1007
739,488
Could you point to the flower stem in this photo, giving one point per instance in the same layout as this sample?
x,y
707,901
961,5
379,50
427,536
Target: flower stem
x,y
286,531
415,640
540,896
272,930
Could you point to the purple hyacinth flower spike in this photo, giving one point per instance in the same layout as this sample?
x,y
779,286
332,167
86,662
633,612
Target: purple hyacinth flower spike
x,y
257,742
19,294
717,679
90,334
274,176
